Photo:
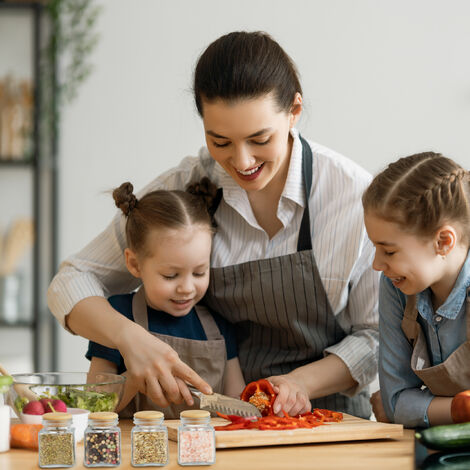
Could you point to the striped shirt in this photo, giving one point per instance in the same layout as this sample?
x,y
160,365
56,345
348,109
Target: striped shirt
x,y
342,250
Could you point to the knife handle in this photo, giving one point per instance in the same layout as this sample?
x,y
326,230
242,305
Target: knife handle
x,y
194,391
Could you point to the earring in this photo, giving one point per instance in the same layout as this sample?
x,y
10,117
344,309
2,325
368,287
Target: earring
x,y
443,257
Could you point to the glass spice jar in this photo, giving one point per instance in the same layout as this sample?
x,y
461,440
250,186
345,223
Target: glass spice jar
x,y
196,438
102,440
56,441
149,438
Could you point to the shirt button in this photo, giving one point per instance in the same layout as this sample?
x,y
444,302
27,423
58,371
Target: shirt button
x,y
438,318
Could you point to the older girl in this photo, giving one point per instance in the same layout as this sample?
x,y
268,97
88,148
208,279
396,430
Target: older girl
x,y
417,214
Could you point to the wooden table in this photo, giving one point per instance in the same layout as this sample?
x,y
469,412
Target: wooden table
x,y
374,454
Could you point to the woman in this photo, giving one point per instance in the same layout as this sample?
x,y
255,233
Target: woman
x,y
291,262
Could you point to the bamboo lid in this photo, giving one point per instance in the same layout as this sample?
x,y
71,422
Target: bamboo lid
x,y
148,415
194,414
56,416
103,415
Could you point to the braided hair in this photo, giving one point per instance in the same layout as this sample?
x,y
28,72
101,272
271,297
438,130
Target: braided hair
x,y
162,209
421,193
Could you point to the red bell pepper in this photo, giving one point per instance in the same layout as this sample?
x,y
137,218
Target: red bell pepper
x,y
261,394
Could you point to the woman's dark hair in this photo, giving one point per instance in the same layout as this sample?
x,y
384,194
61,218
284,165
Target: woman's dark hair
x,y
421,193
245,65
162,209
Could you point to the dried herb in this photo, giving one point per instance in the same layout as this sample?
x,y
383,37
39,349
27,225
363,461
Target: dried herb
x,y
56,449
150,447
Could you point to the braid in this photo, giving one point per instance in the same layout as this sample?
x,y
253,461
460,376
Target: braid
x,y
396,187
421,193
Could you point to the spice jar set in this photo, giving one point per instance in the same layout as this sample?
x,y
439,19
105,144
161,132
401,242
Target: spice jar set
x,y
149,438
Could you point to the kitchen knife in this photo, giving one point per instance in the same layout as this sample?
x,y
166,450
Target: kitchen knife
x,y
224,404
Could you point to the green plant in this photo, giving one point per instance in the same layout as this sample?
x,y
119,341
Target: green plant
x,y
66,57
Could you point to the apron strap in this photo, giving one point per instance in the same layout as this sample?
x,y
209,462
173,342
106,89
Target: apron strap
x,y
409,324
139,308
208,323
305,239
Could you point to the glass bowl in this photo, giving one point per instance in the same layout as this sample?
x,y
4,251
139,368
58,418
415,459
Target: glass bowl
x,y
93,392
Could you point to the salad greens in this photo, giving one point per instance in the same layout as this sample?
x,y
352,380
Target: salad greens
x,y
20,402
88,400
74,398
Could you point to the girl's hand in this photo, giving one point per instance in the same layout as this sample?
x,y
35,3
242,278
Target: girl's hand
x,y
378,407
291,396
156,369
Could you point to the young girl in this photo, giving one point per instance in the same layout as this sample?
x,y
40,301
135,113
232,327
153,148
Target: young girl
x,y
169,238
417,214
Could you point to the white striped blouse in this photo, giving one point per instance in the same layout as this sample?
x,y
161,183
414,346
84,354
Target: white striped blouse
x,y
342,250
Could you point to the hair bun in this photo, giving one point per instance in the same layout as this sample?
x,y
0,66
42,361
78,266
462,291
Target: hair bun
x,y
124,198
204,189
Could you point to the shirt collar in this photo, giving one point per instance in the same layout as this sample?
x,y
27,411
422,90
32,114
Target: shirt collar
x,y
294,187
453,304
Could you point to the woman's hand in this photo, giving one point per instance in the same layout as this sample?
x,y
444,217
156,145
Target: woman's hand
x,y
291,396
156,368
378,407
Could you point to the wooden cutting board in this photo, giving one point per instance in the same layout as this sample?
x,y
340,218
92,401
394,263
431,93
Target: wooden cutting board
x,y
350,429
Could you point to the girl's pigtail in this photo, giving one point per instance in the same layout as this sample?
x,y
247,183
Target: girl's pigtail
x,y
124,198
209,194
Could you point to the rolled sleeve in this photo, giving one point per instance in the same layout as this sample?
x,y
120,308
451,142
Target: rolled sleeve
x,y
97,270
68,289
411,408
359,349
359,353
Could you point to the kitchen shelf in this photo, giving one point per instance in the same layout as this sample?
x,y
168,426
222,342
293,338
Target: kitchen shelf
x,y
20,5
5,163
41,163
18,324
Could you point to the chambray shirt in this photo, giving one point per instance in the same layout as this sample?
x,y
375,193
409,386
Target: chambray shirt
x,y
404,397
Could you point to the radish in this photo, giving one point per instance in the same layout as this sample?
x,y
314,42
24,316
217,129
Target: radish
x,y
34,408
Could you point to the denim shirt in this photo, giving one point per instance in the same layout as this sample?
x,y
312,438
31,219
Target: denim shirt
x,y
404,397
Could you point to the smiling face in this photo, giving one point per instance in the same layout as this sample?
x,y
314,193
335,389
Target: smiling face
x,y
409,261
176,274
250,139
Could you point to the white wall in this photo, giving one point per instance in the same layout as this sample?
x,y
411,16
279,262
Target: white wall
x,y
381,79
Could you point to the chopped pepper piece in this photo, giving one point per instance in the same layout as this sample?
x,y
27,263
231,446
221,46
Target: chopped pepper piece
x,y
269,423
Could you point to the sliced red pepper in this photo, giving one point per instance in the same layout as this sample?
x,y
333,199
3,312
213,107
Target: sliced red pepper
x,y
234,418
231,426
264,394
261,394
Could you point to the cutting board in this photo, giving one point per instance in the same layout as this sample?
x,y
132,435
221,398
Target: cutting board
x,y
350,429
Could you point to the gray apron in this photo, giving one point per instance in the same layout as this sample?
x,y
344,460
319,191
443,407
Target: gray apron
x,y
280,308
451,376
207,358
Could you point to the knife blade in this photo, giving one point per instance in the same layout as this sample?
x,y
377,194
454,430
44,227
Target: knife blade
x,y
224,404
